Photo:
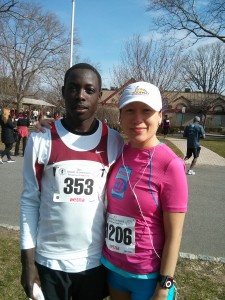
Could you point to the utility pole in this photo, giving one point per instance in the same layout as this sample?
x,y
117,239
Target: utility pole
x,y
72,31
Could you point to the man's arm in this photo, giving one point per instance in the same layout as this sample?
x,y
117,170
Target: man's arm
x,y
29,271
202,133
29,216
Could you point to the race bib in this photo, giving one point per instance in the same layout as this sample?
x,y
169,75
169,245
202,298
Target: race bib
x,y
120,234
75,185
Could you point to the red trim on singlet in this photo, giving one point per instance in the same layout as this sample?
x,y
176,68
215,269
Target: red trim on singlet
x,y
60,152
39,170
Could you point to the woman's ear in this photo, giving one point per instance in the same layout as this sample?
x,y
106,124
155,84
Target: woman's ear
x,y
160,118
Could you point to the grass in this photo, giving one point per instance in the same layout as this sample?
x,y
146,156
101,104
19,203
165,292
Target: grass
x,y
172,146
165,141
195,279
217,146
10,266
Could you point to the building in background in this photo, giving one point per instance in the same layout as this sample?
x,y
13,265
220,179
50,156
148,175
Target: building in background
x,y
181,106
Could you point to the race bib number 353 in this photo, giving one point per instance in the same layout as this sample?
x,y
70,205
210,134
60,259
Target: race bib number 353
x,y
120,234
74,186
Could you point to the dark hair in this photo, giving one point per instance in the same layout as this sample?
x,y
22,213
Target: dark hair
x,y
83,66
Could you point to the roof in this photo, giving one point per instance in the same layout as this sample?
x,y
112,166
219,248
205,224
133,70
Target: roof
x,y
26,101
197,96
36,102
173,98
112,96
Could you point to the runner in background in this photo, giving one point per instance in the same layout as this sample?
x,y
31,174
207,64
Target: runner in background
x,y
165,126
193,132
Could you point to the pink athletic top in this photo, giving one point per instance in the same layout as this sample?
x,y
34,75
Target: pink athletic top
x,y
135,232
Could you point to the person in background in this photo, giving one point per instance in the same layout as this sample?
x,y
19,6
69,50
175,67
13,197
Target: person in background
x,y
166,126
147,200
35,113
193,132
23,123
8,127
56,116
62,204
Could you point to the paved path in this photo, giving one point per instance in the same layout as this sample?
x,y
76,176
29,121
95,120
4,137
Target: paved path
x,y
205,221
207,157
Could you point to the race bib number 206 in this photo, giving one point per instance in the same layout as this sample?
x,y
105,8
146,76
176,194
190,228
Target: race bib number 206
x,y
120,234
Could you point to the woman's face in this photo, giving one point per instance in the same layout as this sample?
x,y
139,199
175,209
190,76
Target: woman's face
x,y
140,123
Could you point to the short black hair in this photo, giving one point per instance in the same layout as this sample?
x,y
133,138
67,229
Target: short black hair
x,y
83,66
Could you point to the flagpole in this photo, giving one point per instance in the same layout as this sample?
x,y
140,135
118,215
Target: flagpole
x,y
72,30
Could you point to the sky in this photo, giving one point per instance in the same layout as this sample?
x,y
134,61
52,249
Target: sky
x,y
102,27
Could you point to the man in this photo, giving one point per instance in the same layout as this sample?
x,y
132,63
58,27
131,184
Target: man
x,y
62,203
166,126
193,132
23,123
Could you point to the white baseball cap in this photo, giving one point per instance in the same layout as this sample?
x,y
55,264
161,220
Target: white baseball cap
x,y
144,92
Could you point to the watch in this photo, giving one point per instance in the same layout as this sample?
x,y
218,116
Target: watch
x,y
165,281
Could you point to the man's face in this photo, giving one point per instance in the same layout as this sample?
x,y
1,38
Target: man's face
x,y
81,93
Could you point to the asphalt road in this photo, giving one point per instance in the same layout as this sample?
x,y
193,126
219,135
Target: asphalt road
x,y
204,229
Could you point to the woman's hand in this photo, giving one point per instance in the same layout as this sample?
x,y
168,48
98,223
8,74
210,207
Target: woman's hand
x,y
160,293
39,127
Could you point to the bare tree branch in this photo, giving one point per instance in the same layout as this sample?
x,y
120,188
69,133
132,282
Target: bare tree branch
x,y
204,69
31,45
7,5
151,61
200,20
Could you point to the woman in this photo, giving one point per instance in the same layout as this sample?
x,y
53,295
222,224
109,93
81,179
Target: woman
x,y
147,201
23,123
7,135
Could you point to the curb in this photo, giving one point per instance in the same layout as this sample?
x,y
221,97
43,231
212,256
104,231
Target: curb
x,y
202,257
16,228
190,256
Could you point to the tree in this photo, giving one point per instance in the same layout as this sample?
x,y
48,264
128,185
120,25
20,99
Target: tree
x,y
109,115
51,90
7,7
193,18
31,45
203,69
151,61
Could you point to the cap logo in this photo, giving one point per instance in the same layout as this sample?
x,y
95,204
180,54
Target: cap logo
x,y
139,91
